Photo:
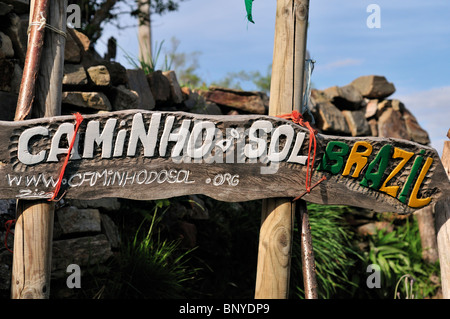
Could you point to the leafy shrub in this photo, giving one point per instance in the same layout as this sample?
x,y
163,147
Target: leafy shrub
x,y
399,253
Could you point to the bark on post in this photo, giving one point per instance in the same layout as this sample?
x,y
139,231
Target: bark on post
x,y
144,31
38,11
34,227
442,216
308,260
275,242
426,222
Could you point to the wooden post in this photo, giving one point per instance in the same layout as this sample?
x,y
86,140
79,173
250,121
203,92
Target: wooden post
x,y
442,216
144,31
426,222
308,261
38,11
34,226
275,242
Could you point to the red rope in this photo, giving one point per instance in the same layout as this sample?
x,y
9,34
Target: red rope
x,y
297,118
79,119
9,223
8,226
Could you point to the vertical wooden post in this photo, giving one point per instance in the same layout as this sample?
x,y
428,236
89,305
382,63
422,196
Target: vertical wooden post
x,y
144,31
38,11
442,216
308,261
34,226
426,222
277,218
49,86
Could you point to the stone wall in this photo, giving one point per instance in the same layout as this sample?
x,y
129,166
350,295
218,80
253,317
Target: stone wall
x,y
363,108
84,232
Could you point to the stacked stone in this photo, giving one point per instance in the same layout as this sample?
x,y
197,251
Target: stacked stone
x,y
362,108
92,84
13,39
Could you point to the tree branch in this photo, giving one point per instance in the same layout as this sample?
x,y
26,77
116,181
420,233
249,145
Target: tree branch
x,y
94,29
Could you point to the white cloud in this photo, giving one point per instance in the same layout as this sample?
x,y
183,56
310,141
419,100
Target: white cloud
x,y
340,64
432,110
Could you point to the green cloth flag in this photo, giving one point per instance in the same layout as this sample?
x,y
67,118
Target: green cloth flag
x,y
248,7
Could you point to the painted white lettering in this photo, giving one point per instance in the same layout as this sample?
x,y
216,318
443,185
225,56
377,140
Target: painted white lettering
x,y
261,144
198,146
120,141
185,178
23,153
30,180
129,178
70,180
100,175
220,146
161,180
14,179
165,135
295,158
172,177
93,137
274,154
65,129
179,136
120,177
139,176
49,181
153,176
138,133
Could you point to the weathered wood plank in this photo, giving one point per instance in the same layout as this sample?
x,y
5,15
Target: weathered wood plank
x,y
442,217
140,154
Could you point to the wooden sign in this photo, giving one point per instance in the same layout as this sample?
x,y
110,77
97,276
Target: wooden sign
x,y
145,155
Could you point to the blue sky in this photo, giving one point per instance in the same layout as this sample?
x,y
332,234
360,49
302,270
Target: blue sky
x,y
411,49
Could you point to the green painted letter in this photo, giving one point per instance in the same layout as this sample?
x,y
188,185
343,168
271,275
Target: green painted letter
x,y
376,168
332,155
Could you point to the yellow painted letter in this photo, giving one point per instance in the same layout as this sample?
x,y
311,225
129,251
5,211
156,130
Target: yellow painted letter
x,y
360,159
413,200
398,153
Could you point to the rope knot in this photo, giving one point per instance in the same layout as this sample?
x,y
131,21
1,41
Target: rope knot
x,y
297,117
42,21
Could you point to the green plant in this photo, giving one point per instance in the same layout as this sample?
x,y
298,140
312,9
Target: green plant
x,y
408,285
399,253
336,257
185,65
150,266
153,65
